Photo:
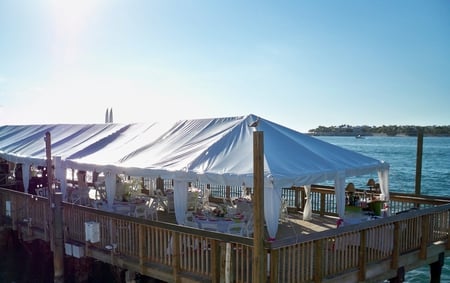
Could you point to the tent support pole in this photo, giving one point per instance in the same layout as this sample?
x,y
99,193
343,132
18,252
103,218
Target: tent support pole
x,y
259,268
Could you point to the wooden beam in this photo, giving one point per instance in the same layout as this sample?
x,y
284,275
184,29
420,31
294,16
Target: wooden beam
x,y
56,218
259,268
215,261
176,257
274,257
318,261
425,236
419,161
396,247
362,256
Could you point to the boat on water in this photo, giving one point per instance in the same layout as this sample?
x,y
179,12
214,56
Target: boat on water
x,y
360,137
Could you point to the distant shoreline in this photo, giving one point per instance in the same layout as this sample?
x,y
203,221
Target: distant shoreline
x,y
388,131
373,135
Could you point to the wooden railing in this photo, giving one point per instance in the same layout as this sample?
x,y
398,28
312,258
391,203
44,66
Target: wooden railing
x,y
183,249
360,248
166,251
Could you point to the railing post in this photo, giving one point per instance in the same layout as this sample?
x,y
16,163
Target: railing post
x,y
274,255
362,256
425,236
296,198
396,246
215,261
322,203
142,246
58,252
176,257
448,231
318,260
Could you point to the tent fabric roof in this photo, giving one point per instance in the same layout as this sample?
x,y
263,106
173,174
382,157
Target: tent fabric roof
x,y
216,150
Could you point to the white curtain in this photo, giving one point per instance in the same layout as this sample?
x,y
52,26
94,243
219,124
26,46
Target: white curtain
x,y
272,205
60,174
180,197
26,176
111,185
383,176
307,210
339,187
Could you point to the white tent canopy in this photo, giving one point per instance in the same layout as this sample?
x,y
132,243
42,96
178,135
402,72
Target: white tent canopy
x,y
214,151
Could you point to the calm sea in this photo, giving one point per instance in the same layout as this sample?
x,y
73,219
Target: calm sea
x,y
401,154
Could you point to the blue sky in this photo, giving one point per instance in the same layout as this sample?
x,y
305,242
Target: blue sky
x,y
298,63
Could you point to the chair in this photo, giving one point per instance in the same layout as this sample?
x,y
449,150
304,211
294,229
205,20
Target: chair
x,y
247,228
283,211
170,203
162,200
189,220
152,209
80,196
140,211
192,200
166,201
99,204
235,228
210,226
204,201
42,192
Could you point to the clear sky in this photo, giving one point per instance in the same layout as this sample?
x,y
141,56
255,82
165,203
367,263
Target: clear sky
x,y
302,64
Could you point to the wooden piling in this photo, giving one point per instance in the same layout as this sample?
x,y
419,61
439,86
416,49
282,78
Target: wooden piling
x,y
58,228
259,268
419,161
56,218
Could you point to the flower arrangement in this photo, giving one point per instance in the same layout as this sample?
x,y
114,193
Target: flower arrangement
x,y
220,211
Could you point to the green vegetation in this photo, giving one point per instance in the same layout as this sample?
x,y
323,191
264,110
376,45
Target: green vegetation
x,y
347,130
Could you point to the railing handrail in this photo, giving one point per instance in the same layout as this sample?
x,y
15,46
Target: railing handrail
x,y
357,228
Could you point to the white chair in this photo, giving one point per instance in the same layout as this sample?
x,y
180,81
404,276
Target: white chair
x,y
42,192
204,201
283,211
140,211
123,209
152,209
80,196
210,226
99,204
192,200
235,228
170,203
247,228
162,200
189,220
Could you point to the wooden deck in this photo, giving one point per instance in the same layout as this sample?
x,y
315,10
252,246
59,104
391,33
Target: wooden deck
x,y
294,225
304,251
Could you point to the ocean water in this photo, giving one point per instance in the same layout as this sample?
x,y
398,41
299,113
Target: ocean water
x,y
401,154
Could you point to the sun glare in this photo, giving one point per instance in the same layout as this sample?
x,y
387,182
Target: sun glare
x,y
70,19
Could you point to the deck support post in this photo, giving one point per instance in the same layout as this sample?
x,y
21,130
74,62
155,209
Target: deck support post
x,y
436,269
56,218
419,161
400,276
259,256
58,228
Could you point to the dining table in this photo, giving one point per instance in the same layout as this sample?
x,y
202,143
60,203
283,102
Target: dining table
x,y
217,223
